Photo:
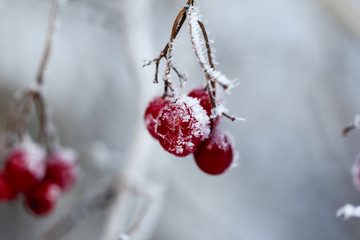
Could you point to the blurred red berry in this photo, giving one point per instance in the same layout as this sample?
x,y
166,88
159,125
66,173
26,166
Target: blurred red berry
x,y
25,166
203,96
152,112
43,198
62,169
215,155
182,125
7,193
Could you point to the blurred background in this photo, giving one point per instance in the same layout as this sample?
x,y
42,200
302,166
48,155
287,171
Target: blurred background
x,y
299,66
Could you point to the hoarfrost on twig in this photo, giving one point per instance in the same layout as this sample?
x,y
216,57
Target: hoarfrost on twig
x,y
348,211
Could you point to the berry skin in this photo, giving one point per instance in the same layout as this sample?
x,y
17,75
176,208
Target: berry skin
x,y
43,198
151,114
7,193
182,125
215,155
25,166
203,96
62,169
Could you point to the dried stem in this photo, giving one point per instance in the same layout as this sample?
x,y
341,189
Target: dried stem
x,y
140,217
167,51
49,40
347,129
23,115
206,64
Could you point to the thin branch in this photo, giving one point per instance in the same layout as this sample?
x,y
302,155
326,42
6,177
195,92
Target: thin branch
x,y
140,216
48,43
347,129
84,209
167,51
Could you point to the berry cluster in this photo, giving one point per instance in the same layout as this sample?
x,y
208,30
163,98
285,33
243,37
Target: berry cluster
x,y
188,124
40,177
184,126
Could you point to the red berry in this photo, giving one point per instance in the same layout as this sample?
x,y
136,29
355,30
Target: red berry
x,y
215,155
203,96
42,199
62,169
182,125
25,166
7,193
151,114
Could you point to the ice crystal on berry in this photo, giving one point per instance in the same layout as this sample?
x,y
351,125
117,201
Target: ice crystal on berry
x,y
215,155
182,125
25,165
203,96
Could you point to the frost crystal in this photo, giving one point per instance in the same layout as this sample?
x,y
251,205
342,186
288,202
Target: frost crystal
x,y
35,156
348,211
182,125
199,44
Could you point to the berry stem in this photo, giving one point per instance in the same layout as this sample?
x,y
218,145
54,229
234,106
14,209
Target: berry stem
x,y
49,41
167,52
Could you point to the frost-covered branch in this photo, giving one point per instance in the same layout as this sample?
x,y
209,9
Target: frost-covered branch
x,y
200,47
348,211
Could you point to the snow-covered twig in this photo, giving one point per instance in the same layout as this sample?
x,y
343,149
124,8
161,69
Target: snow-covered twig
x,y
200,47
348,211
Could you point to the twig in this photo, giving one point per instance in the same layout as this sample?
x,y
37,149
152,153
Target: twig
x,y
80,212
347,129
48,43
167,51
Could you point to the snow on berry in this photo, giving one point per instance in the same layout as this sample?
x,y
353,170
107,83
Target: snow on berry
x,y
182,125
62,169
203,96
7,193
42,199
215,155
152,112
25,165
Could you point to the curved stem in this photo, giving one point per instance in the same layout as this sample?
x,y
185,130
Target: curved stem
x,y
49,40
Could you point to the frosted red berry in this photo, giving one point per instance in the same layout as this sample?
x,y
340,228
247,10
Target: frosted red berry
x,y
215,155
7,193
42,199
152,112
62,168
182,125
203,96
25,166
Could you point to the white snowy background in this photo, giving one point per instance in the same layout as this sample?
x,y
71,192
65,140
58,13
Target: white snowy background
x,y
300,80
